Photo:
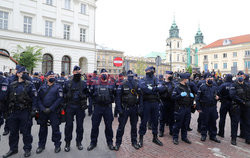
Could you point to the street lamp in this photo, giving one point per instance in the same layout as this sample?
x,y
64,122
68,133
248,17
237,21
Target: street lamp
x,y
169,44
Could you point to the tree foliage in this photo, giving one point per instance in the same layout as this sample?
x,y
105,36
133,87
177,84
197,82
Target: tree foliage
x,y
189,69
28,56
141,66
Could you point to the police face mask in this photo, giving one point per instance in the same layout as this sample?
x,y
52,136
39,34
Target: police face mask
x,y
77,77
150,74
130,78
52,80
209,82
25,76
240,79
104,77
170,78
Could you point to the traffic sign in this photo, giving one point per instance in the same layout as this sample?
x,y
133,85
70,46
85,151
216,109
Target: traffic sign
x,y
118,62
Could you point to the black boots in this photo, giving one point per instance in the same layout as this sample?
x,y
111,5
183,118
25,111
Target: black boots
x,y
136,146
27,153
156,140
161,134
79,146
67,147
39,150
57,149
215,140
233,141
91,147
10,153
140,141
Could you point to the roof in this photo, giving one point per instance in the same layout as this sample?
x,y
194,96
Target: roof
x,y
229,41
155,54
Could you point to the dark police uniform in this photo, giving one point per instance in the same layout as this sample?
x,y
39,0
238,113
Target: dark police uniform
x,y
37,82
206,102
240,94
22,98
92,80
117,84
150,101
3,94
226,104
50,97
167,110
103,96
76,96
183,101
127,98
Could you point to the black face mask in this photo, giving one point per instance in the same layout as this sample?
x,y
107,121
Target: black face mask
x,y
170,78
209,82
104,77
77,77
150,74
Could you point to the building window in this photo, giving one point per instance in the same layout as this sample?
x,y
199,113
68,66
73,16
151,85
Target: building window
x,y
215,56
49,2
27,24
67,4
183,59
82,35
234,54
115,71
66,65
216,66
4,20
83,8
247,64
178,57
247,53
224,65
178,44
48,28
205,57
47,64
66,34
98,57
190,59
224,55
234,64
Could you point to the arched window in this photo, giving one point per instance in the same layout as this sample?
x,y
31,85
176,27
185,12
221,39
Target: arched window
x,y
66,65
47,64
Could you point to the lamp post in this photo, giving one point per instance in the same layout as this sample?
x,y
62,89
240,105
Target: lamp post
x,y
169,44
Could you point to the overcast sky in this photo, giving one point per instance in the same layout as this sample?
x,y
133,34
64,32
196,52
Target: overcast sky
x,y
138,27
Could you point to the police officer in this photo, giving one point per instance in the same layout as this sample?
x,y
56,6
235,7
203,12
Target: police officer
x,y
117,84
206,101
240,94
36,81
127,96
103,97
76,96
62,80
226,103
3,94
149,105
22,99
167,110
183,97
92,80
50,97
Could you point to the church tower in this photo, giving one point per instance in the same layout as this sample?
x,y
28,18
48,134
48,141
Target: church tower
x,y
175,54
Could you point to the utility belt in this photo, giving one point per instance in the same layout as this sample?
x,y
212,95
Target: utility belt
x,y
125,106
183,105
21,107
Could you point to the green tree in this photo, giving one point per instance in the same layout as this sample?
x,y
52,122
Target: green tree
x,y
28,56
141,66
189,69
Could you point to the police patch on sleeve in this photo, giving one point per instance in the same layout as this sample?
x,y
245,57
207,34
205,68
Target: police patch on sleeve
x,y
4,88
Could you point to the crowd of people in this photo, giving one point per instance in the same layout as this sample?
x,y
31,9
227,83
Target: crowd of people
x,y
168,99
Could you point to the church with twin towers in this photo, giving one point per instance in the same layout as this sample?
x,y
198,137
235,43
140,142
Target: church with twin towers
x,y
179,57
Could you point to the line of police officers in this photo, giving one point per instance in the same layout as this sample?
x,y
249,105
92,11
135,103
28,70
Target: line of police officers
x,y
168,102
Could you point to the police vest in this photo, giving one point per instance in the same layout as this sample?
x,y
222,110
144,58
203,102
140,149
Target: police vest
x,y
129,96
23,99
187,100
82,96
166,95
104,95
151,97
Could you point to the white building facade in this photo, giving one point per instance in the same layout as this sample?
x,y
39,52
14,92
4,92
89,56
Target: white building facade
x,y
64,28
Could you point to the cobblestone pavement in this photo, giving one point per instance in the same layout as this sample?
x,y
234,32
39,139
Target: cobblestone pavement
x,y
197,149
150,150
